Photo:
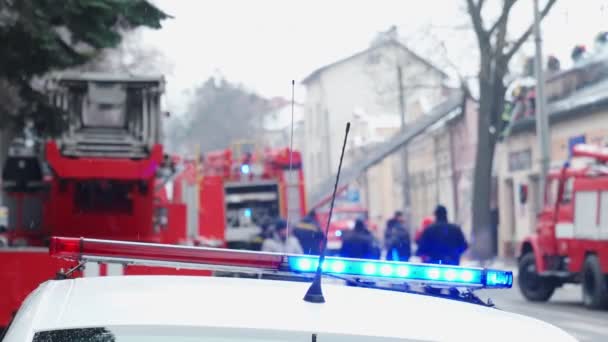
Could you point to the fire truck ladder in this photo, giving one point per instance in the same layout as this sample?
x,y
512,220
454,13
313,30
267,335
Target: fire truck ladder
x,y
383,150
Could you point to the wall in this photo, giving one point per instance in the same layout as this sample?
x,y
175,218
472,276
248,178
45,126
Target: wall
x,y
363,82
463,131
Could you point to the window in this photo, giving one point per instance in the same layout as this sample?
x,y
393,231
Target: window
x,y
191,334
551,193
567,197
520,160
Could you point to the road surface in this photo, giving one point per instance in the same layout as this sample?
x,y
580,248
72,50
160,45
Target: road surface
x,y
565,310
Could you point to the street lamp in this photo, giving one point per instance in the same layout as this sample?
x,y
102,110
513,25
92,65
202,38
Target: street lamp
x,y
542,123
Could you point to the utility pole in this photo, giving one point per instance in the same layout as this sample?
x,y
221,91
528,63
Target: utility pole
x,y
406,187
542,123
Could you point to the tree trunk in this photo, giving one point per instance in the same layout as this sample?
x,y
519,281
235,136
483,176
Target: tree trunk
x,y
481,244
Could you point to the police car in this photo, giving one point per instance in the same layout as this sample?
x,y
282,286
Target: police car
x,y
185,309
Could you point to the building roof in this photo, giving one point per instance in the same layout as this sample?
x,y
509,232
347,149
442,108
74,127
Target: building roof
x,y
312,76
582,101
236,306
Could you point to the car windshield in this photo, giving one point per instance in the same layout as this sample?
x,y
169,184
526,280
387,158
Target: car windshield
x,y
189,334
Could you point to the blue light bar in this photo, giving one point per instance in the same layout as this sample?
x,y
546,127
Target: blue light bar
x,y
406,271
245,169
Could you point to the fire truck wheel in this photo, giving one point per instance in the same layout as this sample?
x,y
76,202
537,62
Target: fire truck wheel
x,y
595,287
532,286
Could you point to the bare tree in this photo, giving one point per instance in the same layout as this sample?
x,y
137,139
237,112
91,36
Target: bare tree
x,y
495,52
219,114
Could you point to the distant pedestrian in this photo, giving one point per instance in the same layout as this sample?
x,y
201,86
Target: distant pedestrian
x,y
442,242
396,221
359,243
309,233
281,241
397,242
426,222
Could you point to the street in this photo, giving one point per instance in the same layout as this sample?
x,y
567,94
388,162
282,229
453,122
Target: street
x,y
565,310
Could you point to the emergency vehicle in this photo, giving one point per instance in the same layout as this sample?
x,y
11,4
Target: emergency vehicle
x,y
231,194
182,308
343,219
98,179
571,240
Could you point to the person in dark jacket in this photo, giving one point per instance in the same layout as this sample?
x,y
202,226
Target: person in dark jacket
x,y
397,221
442,242
359,243
309,233
398,245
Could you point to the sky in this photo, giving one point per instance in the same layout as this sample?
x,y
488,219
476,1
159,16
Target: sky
x,y
265,44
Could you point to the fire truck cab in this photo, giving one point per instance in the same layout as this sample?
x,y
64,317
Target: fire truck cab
x,y
570,244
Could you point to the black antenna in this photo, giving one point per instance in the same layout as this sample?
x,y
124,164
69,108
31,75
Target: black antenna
x,y
315,293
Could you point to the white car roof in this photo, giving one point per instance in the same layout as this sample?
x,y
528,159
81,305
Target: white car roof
x,y
266,304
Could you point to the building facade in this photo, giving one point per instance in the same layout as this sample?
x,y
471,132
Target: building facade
x,y
368,83
277,125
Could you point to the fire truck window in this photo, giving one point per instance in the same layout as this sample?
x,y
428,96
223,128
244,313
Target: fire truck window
x,y
567,197
552,189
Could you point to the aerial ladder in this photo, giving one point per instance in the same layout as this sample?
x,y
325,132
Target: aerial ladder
x,y
323,193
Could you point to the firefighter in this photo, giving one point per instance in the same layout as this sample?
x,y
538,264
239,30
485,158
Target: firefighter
x,y
281,241
309,233
359,243
442,242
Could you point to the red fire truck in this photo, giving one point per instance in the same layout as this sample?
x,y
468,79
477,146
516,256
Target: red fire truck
x,y
343,219
98,180
571,240
231,194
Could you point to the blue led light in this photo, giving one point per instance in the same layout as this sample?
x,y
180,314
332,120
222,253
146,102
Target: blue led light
x,y
304,265
247,212
433,273
386,270
369,269
403,271
450,275
496,278
466,276
245,169
338,266
400,271
338,233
